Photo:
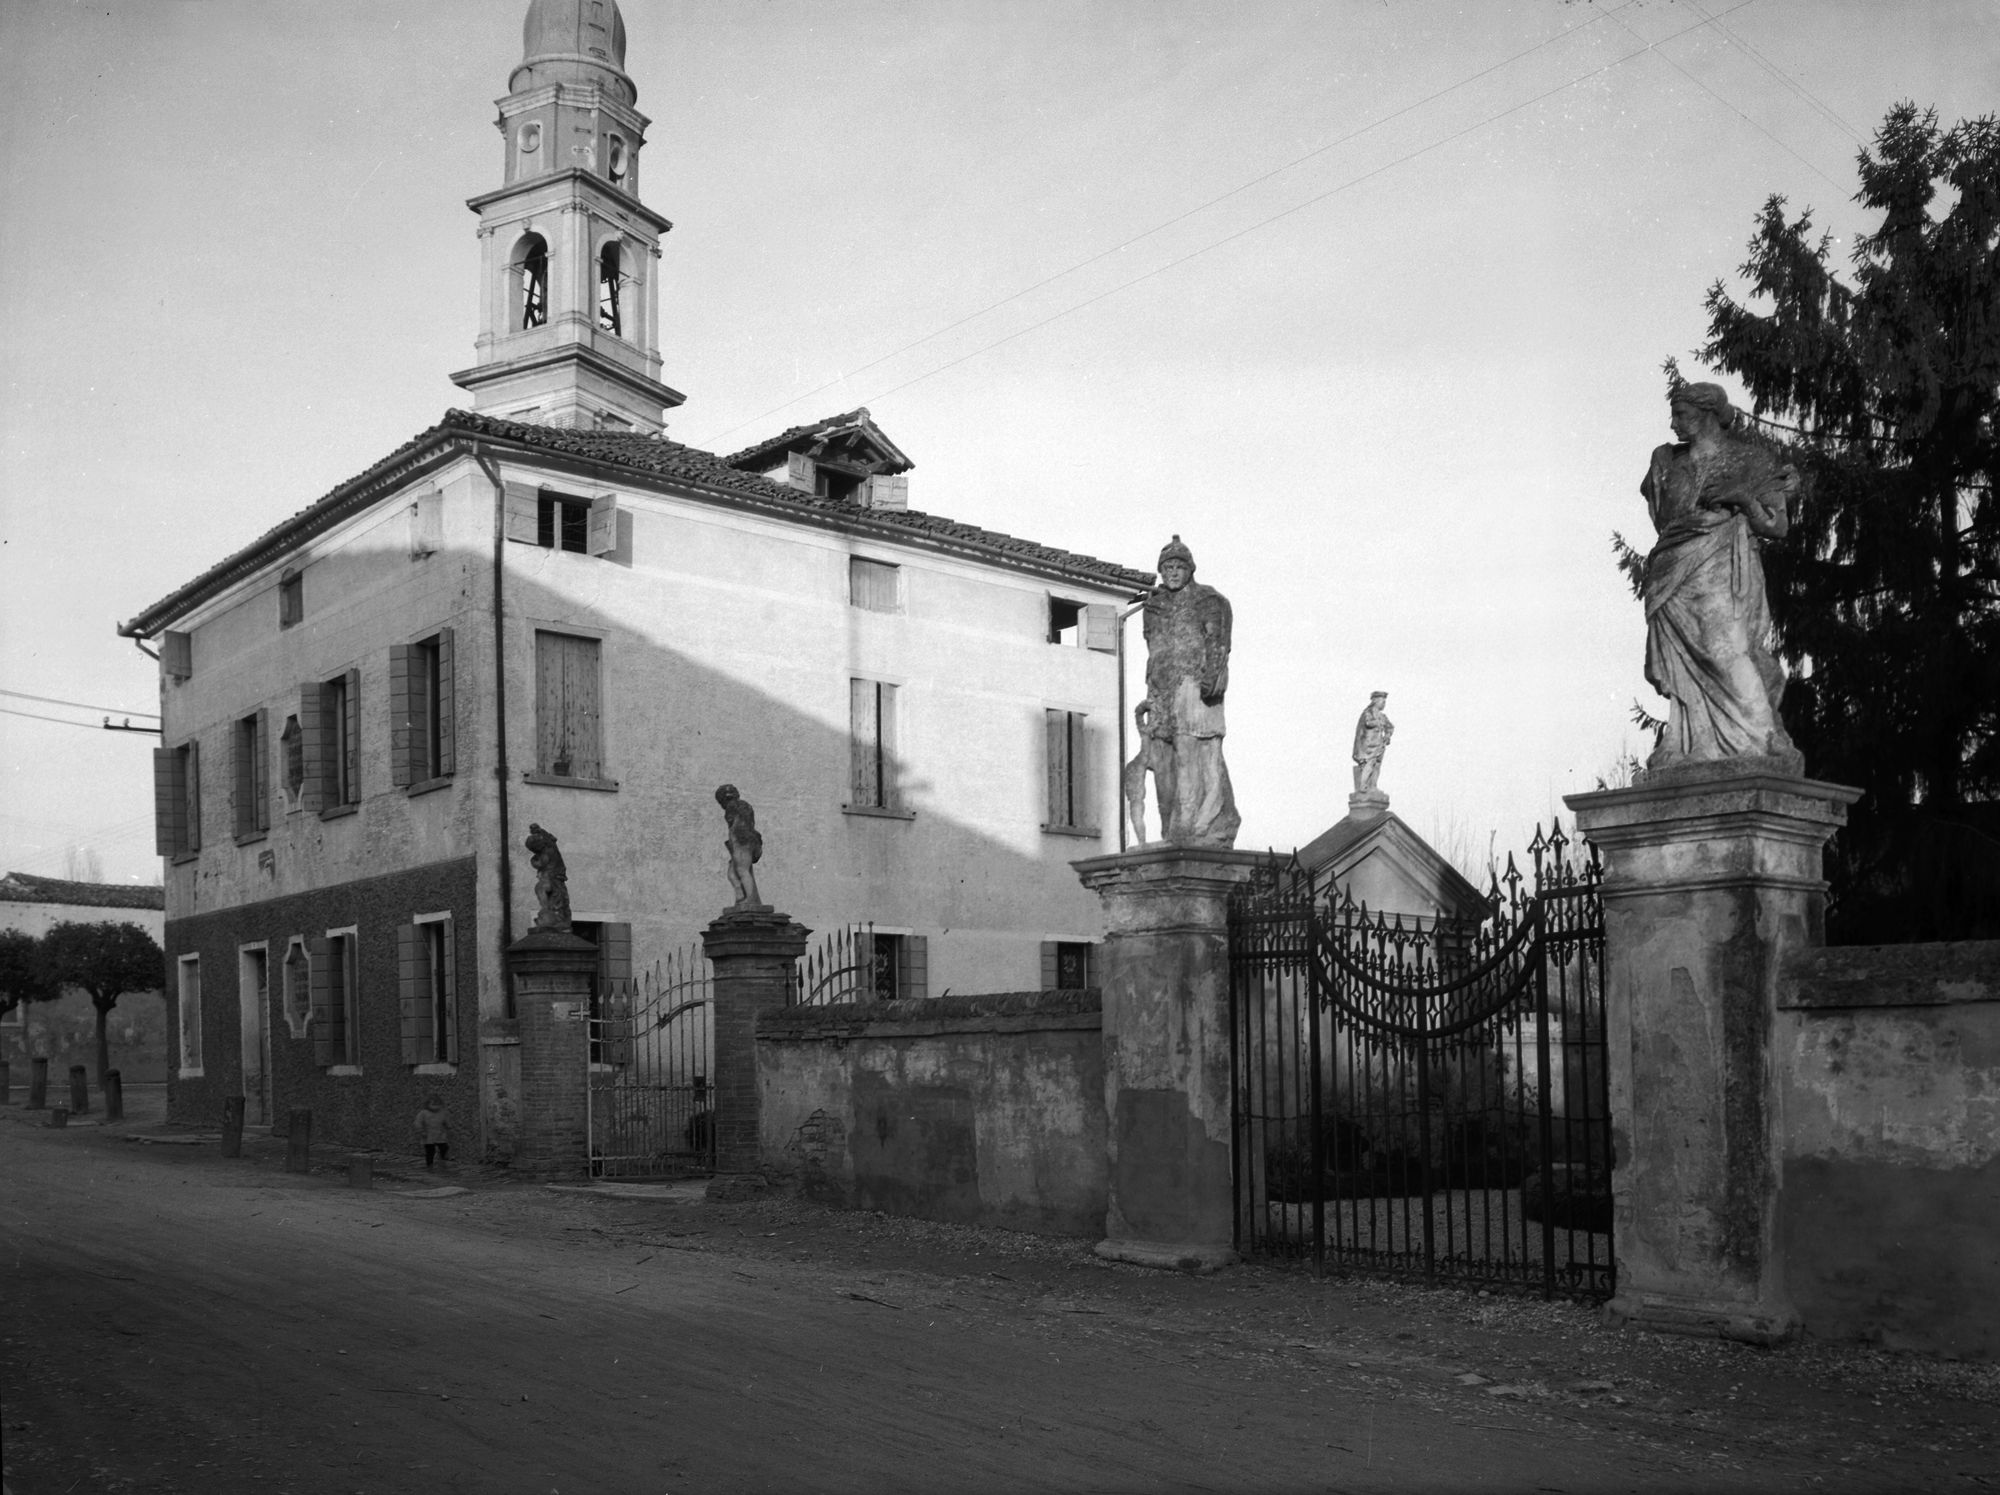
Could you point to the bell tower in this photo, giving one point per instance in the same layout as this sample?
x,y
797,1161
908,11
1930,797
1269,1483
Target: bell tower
x,y
569,256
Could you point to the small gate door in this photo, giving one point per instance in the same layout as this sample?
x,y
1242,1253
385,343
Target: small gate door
x,y
1423,1098
651,1052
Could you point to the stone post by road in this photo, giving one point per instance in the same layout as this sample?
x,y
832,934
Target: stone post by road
x,y
553,971
1712,878
114,1095
754,953
38,1083
79,1090
1167,1079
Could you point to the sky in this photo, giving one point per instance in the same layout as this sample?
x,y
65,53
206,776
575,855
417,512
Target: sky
x,y
1366,301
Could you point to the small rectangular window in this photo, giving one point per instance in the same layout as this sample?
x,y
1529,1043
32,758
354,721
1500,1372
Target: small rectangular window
x,y
187,993
1065,621
874,585
339,742
291,598
177,800
177,654
252,802
1067,762
562,523
336,1000
422,703
428,971
1068,965
895,967
568,708
872,744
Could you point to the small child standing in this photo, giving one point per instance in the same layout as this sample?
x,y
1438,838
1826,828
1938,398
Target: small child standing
x,y
434,1128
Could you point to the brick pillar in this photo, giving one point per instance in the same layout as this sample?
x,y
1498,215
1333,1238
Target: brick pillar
x,y
552,974
1167,1080
1713,878
754,954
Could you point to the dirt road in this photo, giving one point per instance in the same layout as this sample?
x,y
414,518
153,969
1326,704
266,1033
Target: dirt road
x,y
175,1321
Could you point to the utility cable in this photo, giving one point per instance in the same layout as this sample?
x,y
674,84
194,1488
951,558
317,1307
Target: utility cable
x,y
1825,110
22,695
1181,217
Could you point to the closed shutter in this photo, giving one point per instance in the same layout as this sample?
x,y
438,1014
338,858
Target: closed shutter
x,y
242,811
886,492
864,987
326,1035
914,979
413,984
350,736
523,513
614,973
169,802
887,727
865,743
427,524
191,841
1055,737
260,771
405,725
601,531
567,705
1079,772
1050,977
313,748
1100,627
447,705
450,946
801,472
177,653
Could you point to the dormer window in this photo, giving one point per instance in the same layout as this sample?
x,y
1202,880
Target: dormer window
x,y
842,487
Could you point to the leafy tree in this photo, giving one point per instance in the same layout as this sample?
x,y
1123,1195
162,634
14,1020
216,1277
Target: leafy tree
x,y
23,976
1886,596
106,960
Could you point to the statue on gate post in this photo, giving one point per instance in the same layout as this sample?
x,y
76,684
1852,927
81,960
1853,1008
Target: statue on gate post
x,y
551,880
744,845
1187,628
1716,496
1371,740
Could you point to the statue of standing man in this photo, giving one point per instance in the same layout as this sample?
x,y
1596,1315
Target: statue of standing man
x,y
744,844
1187,628
1371,741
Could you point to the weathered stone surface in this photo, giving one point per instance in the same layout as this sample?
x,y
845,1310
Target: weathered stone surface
x,y
1710,883
752,952
1188,629
552,971
1371,740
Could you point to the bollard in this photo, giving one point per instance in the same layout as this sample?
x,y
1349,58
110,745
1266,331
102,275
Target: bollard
x,y
360,1171
59,1116
6,1083
298,1142
232,1126
114,1096
38,1084
79,1090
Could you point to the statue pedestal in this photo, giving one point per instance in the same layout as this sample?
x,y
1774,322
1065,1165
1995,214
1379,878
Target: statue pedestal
x,y
1167,1078
1712,879
753,950
1367,804
553,972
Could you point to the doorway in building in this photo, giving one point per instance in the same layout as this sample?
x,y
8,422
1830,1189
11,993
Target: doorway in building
x,y
253,993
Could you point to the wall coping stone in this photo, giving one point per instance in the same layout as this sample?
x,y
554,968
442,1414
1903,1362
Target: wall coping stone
x,y
925,1017
1923,975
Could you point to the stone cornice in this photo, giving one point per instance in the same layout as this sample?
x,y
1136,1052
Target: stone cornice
x,y
575,176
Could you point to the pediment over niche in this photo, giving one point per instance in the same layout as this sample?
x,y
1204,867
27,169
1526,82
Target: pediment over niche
x,y
1380,861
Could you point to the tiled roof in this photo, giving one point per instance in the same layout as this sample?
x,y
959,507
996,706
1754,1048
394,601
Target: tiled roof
x,y
751,456
25,887
653,456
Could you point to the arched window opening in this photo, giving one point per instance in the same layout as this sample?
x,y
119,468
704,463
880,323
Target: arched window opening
x,y
534,275
610,290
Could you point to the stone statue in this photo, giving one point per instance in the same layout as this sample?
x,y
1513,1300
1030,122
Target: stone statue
x,y
1715,495
551,880
744,845
1371,740
1155,756
1187,627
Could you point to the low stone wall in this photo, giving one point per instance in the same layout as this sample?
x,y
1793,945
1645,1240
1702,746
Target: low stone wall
x,y
1888,1066
984,1110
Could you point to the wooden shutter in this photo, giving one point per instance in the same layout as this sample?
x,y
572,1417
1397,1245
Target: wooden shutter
x,y
449,944
801,472
887,727
260,770
614,978
1049,971
169,802
406,727
413,970
447,705
192,769
523,513
177,653
914,977
601,530
864,961
1100,627
567,705
426,523
325,1019
886,492
1079,772
313,747
350,736
1055,735
864,744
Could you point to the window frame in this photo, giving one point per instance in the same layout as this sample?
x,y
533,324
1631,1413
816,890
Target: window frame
x,y
430,959
544,771
873,585
874,734
250,804
188,1007
1069,799
342,967
291,596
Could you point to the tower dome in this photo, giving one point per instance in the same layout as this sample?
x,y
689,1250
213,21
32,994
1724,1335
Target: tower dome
x,y
574,41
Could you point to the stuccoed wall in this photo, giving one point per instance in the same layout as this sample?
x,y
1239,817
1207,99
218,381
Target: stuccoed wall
x,y
1888,1064
985,1110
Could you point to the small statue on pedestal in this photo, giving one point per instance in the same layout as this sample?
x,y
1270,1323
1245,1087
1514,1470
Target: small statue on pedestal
x,y
744,844
551,880
1371,740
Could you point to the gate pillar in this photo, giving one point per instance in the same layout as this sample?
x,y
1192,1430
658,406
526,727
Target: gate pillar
x,y
1713,878
1167,1073
754,953
552,971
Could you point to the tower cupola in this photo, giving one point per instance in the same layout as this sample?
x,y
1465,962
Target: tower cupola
x,y
569,299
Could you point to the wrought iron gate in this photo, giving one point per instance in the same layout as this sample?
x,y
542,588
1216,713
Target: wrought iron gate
x,y
650,1111
1426,1098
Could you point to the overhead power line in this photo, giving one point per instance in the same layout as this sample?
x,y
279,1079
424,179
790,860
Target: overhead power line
x,y
1826,110
22,695
1181,217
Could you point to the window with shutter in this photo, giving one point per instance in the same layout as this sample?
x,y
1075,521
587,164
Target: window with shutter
x,y
169,801
872,745
177,654
562,522
191,783
404,706
913,976
251,779
343,996
291,597
1100,627
426,524
187,998
522,511
1067,760
413,982
568,742
887,492
444,705
312,748
601,526
874,585
801,472
327,1039
1065,621
336,748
